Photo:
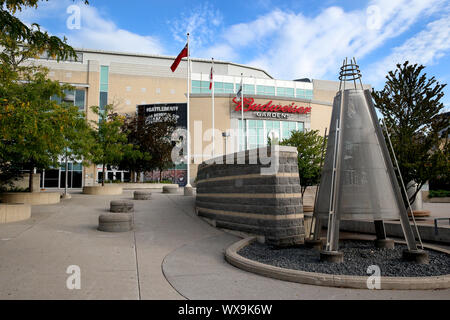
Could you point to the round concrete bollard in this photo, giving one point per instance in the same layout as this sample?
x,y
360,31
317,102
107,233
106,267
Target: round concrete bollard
x,y
121,206
115,222
170,189
142,195
332,256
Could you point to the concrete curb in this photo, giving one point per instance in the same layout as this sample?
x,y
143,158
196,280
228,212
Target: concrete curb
x,y
329,280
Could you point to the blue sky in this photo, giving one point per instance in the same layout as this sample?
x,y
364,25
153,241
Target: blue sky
x,y
289,39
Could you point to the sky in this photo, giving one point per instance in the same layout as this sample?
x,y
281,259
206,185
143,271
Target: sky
x,y
289,39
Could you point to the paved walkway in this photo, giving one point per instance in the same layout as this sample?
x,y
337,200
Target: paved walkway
x,y
172,254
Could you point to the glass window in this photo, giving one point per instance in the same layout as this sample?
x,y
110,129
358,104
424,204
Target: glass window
x,y
249,89
227,87
260,90
288,127
304,94
56,98
104,75
242,140
285,92
79,98
289,92
103,99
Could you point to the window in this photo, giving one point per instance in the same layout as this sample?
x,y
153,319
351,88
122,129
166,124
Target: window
x,y
103,99
265,90
259,132
80,99
285,92
223,87
272,126
73,97
79,57
248,88
241,137
255,133
200,86
104,77
288,127
304,93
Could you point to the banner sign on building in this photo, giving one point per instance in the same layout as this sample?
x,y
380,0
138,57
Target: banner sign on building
x,y
293,111
157,112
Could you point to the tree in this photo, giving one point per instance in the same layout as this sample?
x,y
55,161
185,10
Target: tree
x,y
309,146
31,40
32,128
153,141
21,42
410,105
134,161
35,130
110,142
159,144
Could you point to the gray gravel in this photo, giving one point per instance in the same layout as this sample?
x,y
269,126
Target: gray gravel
x,y
358,255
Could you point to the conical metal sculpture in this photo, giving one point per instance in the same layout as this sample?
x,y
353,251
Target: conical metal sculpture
x,y
358,179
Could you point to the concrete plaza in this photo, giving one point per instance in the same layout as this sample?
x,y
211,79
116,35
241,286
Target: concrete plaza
x,y
171,254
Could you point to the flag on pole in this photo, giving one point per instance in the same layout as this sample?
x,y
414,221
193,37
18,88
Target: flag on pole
x,y
211,78
181,55
238,94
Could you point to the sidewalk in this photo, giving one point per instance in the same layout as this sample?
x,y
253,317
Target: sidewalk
x,y
171,254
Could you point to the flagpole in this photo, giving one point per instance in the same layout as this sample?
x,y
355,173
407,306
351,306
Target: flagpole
x,y
187,111
212,95
242,108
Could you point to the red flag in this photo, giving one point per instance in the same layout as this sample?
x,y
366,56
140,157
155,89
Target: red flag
x,y
181,55
211,79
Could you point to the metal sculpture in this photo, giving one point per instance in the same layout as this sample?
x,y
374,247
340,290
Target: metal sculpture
x,y
358,178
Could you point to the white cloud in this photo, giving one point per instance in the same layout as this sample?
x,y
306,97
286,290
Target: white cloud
x,y
96,32
202,22
291,45
425,48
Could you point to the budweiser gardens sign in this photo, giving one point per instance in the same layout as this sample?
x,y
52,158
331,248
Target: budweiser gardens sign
x,y
269,109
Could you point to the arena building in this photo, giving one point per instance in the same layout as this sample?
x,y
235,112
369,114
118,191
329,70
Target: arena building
x,y
133,82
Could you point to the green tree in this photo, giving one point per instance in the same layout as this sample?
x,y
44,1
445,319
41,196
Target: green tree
x,y
410,103
111,144
139,159
159,144
153,140
35,130
21,42
309,146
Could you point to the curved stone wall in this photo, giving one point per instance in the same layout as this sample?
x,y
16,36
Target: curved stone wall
x,y
103,190
14,212
33,198
239,195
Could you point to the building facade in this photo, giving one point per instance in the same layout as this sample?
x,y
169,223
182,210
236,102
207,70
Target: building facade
x,y
272,106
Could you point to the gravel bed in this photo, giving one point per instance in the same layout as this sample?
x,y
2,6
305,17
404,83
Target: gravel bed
x,y
358,255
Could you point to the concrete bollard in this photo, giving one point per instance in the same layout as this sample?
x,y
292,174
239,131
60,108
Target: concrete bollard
x,y
171,189
121,206
115,222
142,195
